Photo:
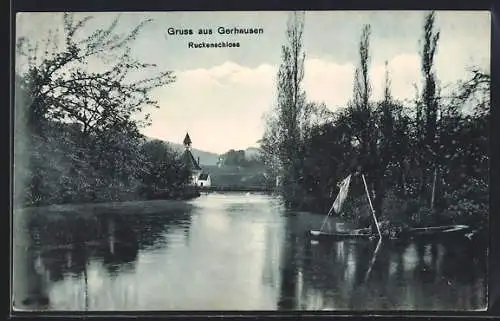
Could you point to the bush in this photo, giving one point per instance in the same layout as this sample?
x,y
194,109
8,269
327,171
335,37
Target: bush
x,y
395,209
357,210
469,204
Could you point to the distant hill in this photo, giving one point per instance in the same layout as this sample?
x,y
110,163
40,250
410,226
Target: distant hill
x,y
209,158
206,158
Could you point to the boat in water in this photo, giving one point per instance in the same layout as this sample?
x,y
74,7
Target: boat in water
x,y
354,234
366,233
446,231
427,233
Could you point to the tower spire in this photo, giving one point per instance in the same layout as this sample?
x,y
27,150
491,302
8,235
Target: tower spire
x,y
187,141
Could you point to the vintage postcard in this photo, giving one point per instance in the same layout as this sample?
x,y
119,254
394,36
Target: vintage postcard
x,y
251,161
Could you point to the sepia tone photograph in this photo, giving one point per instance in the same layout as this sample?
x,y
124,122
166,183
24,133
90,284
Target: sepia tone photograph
x,y
251,161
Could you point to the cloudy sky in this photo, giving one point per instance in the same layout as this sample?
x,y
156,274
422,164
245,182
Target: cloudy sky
x,y
221,94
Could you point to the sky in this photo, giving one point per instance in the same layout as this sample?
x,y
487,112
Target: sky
x,y
221,94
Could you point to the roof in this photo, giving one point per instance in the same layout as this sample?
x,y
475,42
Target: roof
x,y
203,176
187,140
190,161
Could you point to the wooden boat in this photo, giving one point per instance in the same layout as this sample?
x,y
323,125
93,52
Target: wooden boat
x,y
366,234
441,232
354,235
434,232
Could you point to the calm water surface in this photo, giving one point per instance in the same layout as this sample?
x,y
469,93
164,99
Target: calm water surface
x,y
229,252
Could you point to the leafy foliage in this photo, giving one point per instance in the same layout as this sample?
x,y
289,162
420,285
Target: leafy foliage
x,y
426,162
77,131
164,170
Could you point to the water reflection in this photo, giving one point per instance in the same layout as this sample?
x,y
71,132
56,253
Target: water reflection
x,y
350,275
64,257
229,252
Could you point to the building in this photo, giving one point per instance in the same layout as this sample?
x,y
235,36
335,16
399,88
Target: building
x,y
198,176
220,161
204,180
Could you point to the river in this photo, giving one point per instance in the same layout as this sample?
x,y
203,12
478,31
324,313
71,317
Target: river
x,y
232,251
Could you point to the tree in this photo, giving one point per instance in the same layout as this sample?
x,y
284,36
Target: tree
x,y
80,122
284,130
328,152
429,97
164,170
465,151
268,145
476,90
235,158
386,123
360,109
365,122
63,87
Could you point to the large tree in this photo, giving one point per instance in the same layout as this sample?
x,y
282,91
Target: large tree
x,y
365,121
360,110
62,86
430,100
284,136
429,97
78,101
164,170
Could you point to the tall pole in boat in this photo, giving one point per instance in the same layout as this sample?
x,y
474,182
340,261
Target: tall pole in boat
x,y
371,206
433,196
326,218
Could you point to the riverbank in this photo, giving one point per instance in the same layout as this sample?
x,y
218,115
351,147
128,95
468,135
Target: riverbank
x,y
175,196
88,209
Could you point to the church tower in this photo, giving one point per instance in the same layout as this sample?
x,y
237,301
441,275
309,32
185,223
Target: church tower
x,y
189,159
198,178
187,141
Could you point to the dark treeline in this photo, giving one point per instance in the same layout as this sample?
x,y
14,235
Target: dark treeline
x,y
240,158
236,170
76,135
425,162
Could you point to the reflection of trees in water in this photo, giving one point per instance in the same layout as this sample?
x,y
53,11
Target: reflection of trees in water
x,y
120,247
461,263
151,229
68,244
33,292
287,297
272,256
324,271
426,270
337,275
334,271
